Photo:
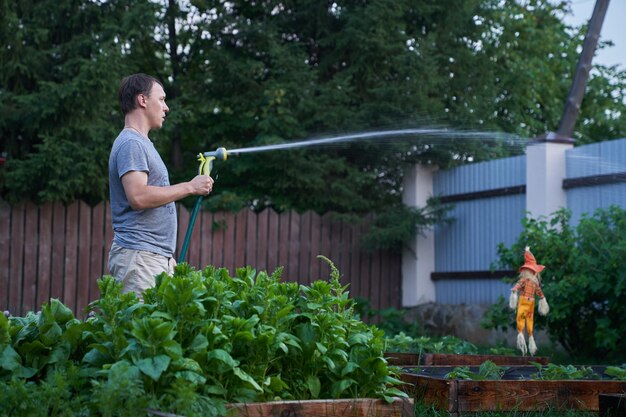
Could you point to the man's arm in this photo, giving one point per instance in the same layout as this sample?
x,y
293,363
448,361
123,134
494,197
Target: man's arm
x,y
142,196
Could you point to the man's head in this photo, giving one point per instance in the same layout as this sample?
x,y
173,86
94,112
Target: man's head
x,y
141,91
131,87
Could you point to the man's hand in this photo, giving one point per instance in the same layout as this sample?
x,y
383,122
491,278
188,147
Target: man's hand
x,y
201,185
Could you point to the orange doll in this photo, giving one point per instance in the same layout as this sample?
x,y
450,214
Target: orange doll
x,y
528,286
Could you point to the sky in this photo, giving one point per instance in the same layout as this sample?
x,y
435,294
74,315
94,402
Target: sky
x,y
613,28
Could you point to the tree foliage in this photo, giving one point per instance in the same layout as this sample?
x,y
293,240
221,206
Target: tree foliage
x,y
241,74
584,280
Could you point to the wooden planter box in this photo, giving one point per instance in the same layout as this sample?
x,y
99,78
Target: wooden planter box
x,y
508,394
412,359
360,407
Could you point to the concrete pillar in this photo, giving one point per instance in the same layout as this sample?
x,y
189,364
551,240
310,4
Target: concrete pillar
x,y
545,172
418,260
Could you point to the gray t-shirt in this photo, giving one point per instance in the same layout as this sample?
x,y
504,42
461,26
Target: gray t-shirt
x,y
153,230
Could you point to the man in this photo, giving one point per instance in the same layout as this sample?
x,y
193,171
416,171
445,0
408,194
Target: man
x,y
142,199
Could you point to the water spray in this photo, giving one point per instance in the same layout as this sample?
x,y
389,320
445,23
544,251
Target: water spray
x,y
434,134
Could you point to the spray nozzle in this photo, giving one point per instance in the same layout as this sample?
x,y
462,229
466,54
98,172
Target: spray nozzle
x,y
206,160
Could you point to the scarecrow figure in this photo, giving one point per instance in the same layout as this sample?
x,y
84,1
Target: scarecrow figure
x,y
528,285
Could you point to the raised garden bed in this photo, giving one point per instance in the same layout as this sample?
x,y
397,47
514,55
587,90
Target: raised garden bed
x,y
363,407
514,392
408,359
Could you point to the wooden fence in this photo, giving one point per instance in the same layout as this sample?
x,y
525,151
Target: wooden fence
x,y
59,251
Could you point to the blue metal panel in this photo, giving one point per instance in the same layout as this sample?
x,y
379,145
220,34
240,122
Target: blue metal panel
x,y
470,243
481,176
596,159
586,200
476,291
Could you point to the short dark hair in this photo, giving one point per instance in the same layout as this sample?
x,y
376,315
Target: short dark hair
x,y
132,86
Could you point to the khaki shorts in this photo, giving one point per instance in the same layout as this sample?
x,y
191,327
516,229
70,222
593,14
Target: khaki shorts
x,y
136,268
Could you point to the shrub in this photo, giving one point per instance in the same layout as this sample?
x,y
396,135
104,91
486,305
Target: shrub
x,y
584,280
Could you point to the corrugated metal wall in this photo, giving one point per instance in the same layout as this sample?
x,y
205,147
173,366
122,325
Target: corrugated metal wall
x,y
471,242
598,159
595,177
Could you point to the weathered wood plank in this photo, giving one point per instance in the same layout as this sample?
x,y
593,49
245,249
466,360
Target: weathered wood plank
x,y
364,407
84,253
262,246
251,241
476,360
57,272
5,253
71,255
44,255
29,294
294,248
304,258
98,246
240,239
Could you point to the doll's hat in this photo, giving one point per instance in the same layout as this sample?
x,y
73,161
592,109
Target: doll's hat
x,y
530,262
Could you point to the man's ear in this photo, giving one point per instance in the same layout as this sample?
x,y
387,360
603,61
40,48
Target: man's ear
x,y
141,100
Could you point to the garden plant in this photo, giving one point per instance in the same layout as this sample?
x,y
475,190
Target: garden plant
x,y
199,341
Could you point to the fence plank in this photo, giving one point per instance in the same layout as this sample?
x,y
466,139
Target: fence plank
x,y
57,272
294,248
183,222
218,232
229,242
240,239
205,239
84,254
262,247
108,236
96,267
273,228
71,254
314,268
304,258
364,276
17,259
344,253
251,241
44,255
29,288
325,245
355,260
193,251
283,242
5,253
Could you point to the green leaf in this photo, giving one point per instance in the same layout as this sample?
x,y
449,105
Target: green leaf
x,y
314,385
153,367
247,378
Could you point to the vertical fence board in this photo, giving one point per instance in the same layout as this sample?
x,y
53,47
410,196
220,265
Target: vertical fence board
x,y
283,243
262,247
96,267
5,253
364,277
206,236
314,269
304,258
71,254
44,256
355,259
193,250
57,272
240,239
17,259
344,258
218,231
229,242
84,254
294,247
325,245
273,227
183,222
251,241
396,269
29,289
108,235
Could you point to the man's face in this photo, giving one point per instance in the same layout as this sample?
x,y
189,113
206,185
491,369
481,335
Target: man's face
x,y
156,107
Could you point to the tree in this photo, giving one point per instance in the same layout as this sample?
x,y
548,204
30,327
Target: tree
x,y
240,74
